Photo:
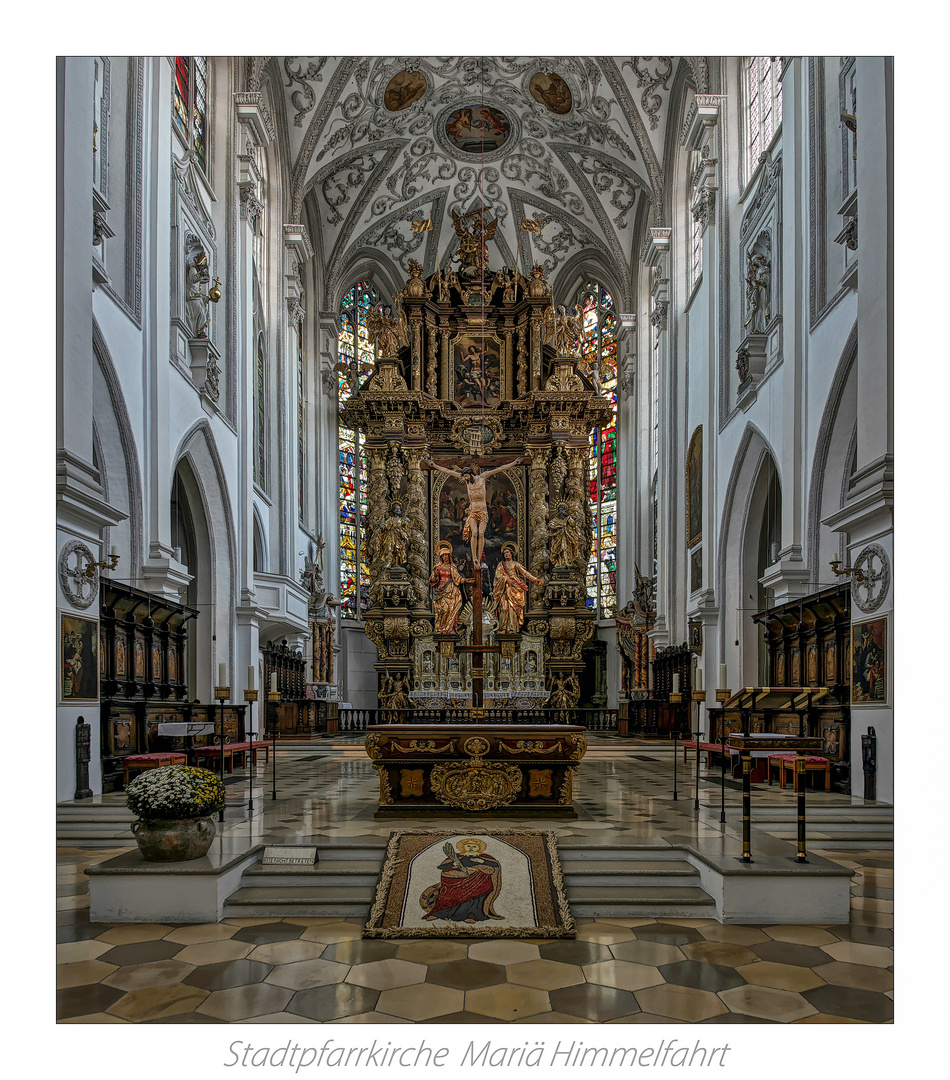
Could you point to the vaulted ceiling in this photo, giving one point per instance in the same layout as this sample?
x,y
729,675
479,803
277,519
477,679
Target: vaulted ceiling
x,y
372,144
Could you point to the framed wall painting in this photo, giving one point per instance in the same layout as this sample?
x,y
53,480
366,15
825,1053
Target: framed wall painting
x,y
869,662
477,370
79,658
694,488
504,495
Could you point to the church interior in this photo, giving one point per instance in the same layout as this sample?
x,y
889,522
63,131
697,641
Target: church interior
x,y
476,445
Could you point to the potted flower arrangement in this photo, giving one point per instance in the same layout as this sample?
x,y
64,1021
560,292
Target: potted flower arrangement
x,y
174,804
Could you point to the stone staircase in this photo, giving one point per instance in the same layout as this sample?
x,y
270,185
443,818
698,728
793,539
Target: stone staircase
x,y
830,828
94,825
598,881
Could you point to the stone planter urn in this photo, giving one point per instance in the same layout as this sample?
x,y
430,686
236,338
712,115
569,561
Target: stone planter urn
x,y
177,840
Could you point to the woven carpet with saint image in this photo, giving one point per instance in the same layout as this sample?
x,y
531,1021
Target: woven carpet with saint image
x,y
441,883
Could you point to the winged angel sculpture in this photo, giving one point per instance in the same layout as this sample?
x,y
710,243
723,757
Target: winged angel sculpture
x,y
472,254
565,329
388,331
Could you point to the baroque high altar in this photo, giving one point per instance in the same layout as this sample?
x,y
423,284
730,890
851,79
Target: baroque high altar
x,y
476,421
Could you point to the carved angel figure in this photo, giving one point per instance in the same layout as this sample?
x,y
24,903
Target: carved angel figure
x,y
565,329
440,283
393,537
352,371
566,537
388,331
472,253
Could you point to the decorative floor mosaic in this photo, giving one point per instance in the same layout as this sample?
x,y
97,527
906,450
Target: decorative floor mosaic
x,y
617,970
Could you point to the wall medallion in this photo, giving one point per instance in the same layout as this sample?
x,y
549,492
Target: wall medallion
x,y
869,593
79,588
477,129
405,88
552,91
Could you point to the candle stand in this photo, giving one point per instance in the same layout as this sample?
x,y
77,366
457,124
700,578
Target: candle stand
x,y
250,696
221,694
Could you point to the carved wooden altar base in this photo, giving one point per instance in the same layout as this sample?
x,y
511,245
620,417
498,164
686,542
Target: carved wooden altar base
x,y
476,768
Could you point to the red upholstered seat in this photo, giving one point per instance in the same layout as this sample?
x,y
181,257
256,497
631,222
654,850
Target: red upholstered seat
x,y
788,763
150,761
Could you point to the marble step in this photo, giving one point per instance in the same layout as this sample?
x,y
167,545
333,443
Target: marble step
x,y
329,873
342,901
624,854
610,874
653,900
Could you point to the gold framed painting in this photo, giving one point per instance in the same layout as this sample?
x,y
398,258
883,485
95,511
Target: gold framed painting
x,y
79,658
869,662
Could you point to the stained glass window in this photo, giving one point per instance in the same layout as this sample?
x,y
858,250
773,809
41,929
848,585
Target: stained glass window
x,y
599,351
355,350
763,104
190,104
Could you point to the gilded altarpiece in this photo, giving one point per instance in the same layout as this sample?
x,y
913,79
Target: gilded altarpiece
x,y
477,369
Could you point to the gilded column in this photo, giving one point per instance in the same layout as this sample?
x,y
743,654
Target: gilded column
x,y
419,550
377,510
538,521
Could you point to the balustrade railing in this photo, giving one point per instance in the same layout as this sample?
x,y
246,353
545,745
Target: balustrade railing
x,y
356,720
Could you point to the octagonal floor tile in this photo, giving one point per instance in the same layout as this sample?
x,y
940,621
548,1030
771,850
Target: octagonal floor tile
x,y
597,1003
158,1001
74,952
142,976
544,974
768,1003
359,952
784,952
507,1001
213,952
730,934
286,952
126,935
197,935
720,952
93,1018
504,952
852,952
83,973
651,953
329,1003
701,976
431,951
265,933
575,952
856,975
330,932
84,1000
801,935
304,974
781,976
370,1018
668,934
386,974
622,974
242,1002
680,1002
420,1001
603,933
277,1018
140,952
828,1018
228,974
851,1002
466,974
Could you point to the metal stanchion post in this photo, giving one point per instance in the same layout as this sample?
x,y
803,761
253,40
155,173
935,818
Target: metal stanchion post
x,y
698,696
273,696
801,855
745,757
722,696
675,698
222,694
250,696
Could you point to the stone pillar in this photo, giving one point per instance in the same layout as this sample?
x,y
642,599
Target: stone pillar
x,y
867,518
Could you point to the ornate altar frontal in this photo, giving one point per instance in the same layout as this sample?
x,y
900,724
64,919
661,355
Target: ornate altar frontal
x,y
476,768
476,420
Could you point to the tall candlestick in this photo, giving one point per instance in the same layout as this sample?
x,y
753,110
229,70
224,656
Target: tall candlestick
x,y
698,681
115,550
250,676
222,674
676,682
723,685
273,680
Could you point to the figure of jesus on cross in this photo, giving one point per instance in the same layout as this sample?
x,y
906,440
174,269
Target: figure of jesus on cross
x,y
476,514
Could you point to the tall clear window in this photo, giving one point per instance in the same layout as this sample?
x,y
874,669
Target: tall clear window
x,y
355,351
655,395
695,249
599,350
190,105
763,92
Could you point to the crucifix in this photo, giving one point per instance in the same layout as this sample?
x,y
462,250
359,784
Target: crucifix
x,y
476,518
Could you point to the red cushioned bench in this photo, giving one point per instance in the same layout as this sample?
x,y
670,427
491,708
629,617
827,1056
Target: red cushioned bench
x,y
149,761
787,763
709,747
214,752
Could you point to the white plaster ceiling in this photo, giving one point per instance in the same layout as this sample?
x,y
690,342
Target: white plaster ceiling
x,y
592,173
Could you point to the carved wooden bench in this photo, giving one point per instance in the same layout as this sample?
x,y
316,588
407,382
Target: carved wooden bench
x,y
787,763
149,761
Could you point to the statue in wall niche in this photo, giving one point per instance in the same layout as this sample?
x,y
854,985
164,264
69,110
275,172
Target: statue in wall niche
x,y
476,513
387,331
447,596
511,587
758,293
565,532
393,537
196,305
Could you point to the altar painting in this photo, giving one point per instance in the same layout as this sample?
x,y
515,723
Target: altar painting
x,y
869,662
477,371
502,524
80,659
477,129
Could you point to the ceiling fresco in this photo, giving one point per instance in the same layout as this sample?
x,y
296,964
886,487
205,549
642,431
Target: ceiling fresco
x,y
374,144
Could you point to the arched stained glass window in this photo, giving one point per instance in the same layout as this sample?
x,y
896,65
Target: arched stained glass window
x,y
355,350
190,104
599,350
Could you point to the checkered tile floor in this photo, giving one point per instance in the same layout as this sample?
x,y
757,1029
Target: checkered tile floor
x,y
619,970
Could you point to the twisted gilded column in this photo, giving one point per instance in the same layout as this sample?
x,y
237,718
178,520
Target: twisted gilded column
x,y
419,549
538,521
377,503
577,503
